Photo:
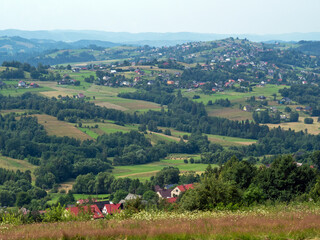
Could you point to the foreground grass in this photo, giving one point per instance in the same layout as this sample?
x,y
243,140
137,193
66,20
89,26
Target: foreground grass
x,y
281,222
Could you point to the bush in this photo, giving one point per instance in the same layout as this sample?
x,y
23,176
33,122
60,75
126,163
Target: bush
x,y
308,121
167,132
196,97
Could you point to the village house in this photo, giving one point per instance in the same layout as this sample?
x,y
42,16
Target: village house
x,y
112,208
80,95
181,188
285,100
22,84
96,213
262,97
163,193
247,108
34,85
129,197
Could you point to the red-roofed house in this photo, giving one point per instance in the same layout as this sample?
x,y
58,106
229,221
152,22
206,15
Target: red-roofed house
x,y
181,188
84,209
112,208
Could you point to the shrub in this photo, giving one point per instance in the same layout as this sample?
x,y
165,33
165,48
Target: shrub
x,y
308,121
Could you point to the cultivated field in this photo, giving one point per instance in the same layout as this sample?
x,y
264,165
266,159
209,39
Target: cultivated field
x,y
300,126
233,113
60,128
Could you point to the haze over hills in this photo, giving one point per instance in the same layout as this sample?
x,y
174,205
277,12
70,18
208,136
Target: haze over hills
x,y
19,44
150,38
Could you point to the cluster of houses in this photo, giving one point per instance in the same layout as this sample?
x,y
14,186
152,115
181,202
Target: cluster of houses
x,y
24,84
171,194
67,80
99,209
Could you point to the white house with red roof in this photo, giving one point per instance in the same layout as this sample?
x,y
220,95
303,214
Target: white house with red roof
x,y
112,208
22,84
181,188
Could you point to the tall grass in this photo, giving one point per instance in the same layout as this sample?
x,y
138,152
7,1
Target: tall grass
x,y
294,221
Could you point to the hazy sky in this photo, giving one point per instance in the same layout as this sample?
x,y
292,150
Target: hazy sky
x,y
207,16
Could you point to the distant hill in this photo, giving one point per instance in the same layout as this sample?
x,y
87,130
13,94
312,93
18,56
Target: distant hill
x,y
153,39
309,47
18,44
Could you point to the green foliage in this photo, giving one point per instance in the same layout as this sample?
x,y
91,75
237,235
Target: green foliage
x,y
167,132
168,175
23,199
284,180
56,214
239,172
210,193
308,121
253,194
66,199
7,198
315,191
150,196
119,195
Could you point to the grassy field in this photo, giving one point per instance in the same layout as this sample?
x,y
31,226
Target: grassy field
x,y
60,128
15,164
257,223
145,171
233,96
300,126
232,113
99,197
12,91
100,95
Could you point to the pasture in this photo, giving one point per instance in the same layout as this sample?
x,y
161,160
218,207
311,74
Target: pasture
x,y
235,97
99,197
223,140
145,171
12,90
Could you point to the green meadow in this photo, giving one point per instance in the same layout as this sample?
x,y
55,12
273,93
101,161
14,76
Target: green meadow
x,y
145,171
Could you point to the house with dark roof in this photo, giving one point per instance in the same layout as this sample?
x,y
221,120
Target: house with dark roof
x,y
164,193
101,204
